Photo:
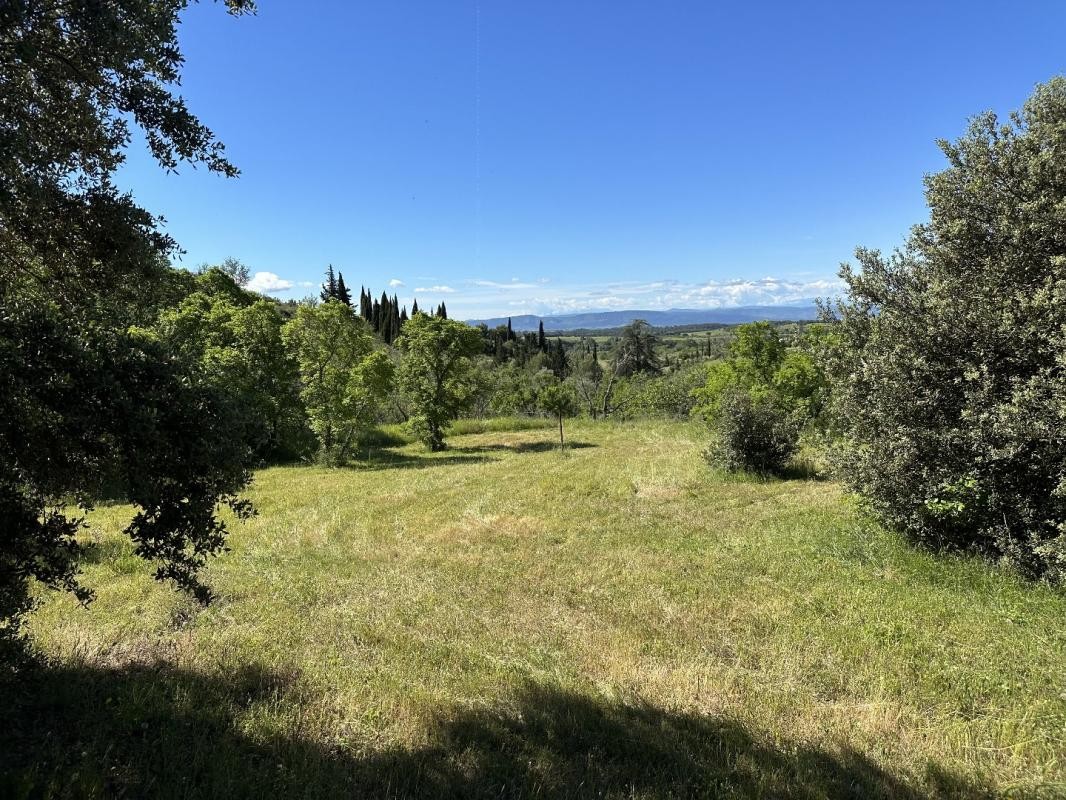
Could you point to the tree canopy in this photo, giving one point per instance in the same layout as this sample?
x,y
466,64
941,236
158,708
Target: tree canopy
x,y
343,379
88,399
437,373
949,370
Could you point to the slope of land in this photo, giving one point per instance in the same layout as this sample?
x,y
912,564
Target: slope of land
x,y
500,620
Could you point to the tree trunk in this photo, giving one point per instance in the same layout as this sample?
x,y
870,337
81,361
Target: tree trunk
x,y
560,431
436,438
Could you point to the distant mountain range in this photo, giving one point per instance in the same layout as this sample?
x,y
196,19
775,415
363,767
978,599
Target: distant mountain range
x,y
594,320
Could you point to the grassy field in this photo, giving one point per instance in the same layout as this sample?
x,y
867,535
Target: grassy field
x,y
502,620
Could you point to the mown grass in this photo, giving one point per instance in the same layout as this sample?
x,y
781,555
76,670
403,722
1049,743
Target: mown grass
x,y
504,620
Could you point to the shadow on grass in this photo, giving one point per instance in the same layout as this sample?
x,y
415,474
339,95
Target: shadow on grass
x,y
106,552
796,470
522,447
391,459
163,732
804,469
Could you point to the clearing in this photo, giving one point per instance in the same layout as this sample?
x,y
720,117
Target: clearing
x,y
501,620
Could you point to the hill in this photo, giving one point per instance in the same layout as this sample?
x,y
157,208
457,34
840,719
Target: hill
x,y
597,320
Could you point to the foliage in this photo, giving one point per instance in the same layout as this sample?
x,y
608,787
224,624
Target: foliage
x,y
668,395
514,388
236,340
758,399
436,373
586,377
238,271
636,350
93,412
344,381
949,374
754,432
558,400
83,399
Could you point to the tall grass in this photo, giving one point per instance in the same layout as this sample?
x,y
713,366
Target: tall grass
x,y
500,621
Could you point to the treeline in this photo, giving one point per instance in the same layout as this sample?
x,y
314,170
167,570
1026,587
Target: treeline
x,y
312,379
385,315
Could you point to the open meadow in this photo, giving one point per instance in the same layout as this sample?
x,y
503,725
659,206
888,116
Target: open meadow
x,y
502,620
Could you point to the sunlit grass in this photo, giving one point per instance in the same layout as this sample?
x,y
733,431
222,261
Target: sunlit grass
x,y
397,617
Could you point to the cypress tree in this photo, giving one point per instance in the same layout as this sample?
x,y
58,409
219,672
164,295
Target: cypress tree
x,y
342,291
384,316
542,344
560,357
414,307
329,288
403,316
375,316
510,331
395,319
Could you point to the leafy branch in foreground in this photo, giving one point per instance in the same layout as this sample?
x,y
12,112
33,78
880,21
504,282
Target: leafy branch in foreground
x,y
88,406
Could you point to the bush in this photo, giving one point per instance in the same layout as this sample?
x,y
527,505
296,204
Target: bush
x,y
758,400
669,395
753,433
949,366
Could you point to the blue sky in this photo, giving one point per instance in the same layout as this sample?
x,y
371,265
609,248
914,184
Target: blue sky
x,y
512,158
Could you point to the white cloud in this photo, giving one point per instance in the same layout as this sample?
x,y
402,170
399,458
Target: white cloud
x,y
269,283
514,284
395,282
443,289
491,298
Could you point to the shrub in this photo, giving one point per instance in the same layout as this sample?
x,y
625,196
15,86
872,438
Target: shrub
x,y
949,369
753,433
758,400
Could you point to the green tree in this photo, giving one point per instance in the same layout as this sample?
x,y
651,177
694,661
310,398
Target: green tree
x,y
236,270
948,362
636,350
558,400
757,350
84,399
344,381
758,399
635,353
236,341
436,373
329,288
343,295
586,378
754,432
